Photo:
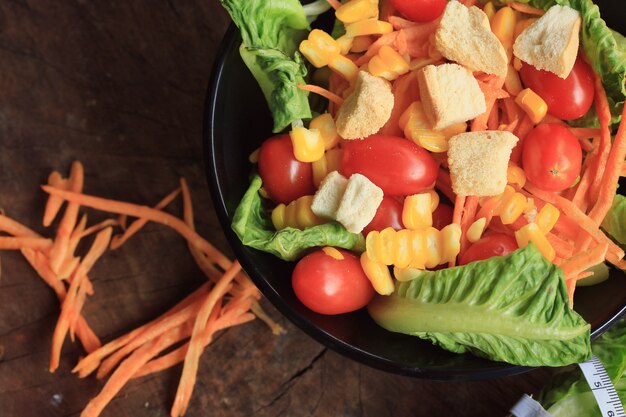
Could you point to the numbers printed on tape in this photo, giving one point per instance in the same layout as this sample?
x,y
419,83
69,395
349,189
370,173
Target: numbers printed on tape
x,y
602,388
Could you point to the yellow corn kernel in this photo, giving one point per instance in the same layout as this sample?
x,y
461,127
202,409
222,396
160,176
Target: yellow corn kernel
x,y
505,196
378,274
475,231
534,106
517,63
490,10
361,44
308,145
320,170
344,66
333,253
381,247
521,26
450,242
319,48
512,208
530,206
406,274
404,253
512,82
355,10
278,217
345,44
432,141
325,124
515,175
388,64
503,26
416,212
547,217
434,200
368,27
434,247
418,128
532,233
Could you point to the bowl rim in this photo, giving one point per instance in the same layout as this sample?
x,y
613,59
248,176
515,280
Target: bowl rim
x,y
229,41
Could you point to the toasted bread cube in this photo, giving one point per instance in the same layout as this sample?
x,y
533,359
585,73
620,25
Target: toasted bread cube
x,y
478,162
359,203
328,196
450,94
464,36
367,109
551,43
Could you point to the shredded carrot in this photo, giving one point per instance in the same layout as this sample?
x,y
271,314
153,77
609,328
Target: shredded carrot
x,y
467,218
491,86
405,91
12,227
400,23
525,8
322,92
562,247
493,121
585,132
53,205
604,149
584,260
335,4
36,243
135,226
97,227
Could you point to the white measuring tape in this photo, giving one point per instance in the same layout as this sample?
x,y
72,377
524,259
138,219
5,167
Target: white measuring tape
x,y
600,384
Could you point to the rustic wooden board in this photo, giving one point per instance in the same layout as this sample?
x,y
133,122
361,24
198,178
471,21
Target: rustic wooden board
x,y
120,86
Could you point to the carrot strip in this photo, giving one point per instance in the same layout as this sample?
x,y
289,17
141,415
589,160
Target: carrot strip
x,y
400,23
491,86
335,4
59,250
154,215
12,227
36,243
525,8
604,149
322,92
53,205
553,120
457,217
623,172
258,311
97,227
467,218
585,132
493,121
562,247
135,226
584,260
190,367
444,184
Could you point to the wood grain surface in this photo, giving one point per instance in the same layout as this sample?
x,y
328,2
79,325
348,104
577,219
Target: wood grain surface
x,y
120,86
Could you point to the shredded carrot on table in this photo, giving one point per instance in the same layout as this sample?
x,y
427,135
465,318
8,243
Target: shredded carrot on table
x,y
36,243
53,205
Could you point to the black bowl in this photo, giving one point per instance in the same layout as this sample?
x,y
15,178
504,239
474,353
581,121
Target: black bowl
x,y
236,122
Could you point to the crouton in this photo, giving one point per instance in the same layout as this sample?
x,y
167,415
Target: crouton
x,y
359,203
551,43
450,94
464,36
478,162
367,109
328,197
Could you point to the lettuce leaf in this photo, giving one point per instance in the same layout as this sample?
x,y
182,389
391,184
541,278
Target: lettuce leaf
x,y
605,49
615,221
271,32
512,309
254,228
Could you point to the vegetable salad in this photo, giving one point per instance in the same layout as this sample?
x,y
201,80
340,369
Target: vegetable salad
x,y
369,197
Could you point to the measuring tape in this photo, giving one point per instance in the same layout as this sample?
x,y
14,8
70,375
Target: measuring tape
x,y
600,384
602,388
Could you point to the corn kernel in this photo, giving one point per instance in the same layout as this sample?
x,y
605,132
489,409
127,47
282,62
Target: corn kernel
x,y
355,10
416,212
308,145
516,175
534,106
547,217
490,10
297,214
388,64
333,253
325,124
386,249
319,48
512,208
451,242
378,274
361,44
403,254
368,27
503,26
475,231
342,65
512,82
278,217
532,233
502,198
434,200
406,274
345,44
434,247
418,250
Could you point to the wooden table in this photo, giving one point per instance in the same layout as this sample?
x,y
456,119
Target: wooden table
x,y
120,86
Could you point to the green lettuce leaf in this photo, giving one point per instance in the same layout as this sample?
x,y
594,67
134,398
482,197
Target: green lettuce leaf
x,y
254,228
615,221
605,49
271,32
512,309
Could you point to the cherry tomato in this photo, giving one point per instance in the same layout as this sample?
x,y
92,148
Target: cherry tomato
x,y
567,99
492,245
420,10
284,177
442,216
551,157
396,165
388,214
331,286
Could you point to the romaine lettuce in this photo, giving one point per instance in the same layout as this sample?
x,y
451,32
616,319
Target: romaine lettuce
x,y
254,228
271,32
615,221
512,309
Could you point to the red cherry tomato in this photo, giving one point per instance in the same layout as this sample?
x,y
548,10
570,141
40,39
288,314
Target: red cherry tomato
x,y
331,286
487,247
420,10
284,177
551,157
567,99
388,214
396,165
442,216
